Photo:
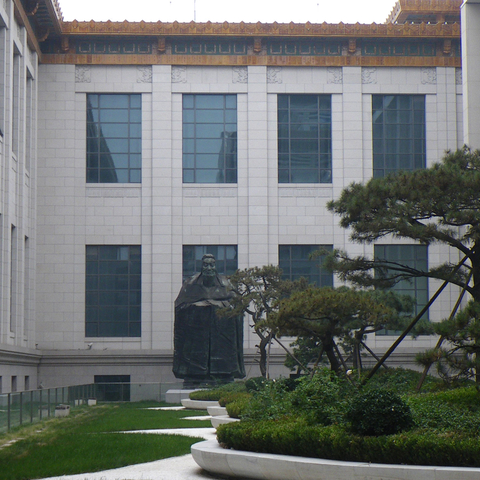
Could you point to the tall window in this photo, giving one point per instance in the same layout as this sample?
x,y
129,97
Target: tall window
x,y
26,286
29,122
295,262
415,256
16,103
209,139
13,278
114,138
304,139
113,291
398,133
225,256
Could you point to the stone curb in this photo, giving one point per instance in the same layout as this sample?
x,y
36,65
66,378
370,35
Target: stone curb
x,y
198,404
216,411
233,463
222,419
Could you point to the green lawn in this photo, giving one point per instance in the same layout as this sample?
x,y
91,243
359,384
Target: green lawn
x,y
84,442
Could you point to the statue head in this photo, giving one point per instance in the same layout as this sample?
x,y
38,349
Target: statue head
x,y
209,269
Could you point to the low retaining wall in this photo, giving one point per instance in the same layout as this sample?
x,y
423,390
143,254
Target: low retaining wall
x,y
233,463
199,404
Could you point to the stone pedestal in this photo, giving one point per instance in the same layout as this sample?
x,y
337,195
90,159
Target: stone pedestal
x,y
177,395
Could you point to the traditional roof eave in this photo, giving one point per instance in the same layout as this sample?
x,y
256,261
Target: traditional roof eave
x,y
55,13
242,29
54,20
22,18
404,8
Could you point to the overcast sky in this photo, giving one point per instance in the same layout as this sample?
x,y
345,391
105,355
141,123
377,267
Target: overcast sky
x,y
282,11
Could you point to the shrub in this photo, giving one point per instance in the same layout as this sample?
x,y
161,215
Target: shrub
x,y
378,412
268,402
317,400
237,408
321,399
255,384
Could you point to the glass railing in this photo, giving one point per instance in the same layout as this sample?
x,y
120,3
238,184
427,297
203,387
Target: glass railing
x,y
20,408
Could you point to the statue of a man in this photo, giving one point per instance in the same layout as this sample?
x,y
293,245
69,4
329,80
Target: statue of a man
x,y
207,348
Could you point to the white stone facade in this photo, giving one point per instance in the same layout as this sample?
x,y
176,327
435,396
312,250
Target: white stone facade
x,y
162,214
56,214
18,149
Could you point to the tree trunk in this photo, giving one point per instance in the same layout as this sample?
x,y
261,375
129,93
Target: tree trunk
x,y
330,353
264,342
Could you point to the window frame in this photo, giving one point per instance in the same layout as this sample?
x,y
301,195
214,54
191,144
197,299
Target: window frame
x,y
398,133
105,272
114,138
202,118
406,287
294,136
325,278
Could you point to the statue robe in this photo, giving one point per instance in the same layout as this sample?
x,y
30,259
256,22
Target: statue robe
x,y
206,347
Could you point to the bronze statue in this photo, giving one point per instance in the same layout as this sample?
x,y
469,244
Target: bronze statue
x,y
207,348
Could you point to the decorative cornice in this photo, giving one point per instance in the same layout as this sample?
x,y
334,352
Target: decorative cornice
x,y
247,60
242,29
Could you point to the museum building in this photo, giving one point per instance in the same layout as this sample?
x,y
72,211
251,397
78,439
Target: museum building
x,y
130,149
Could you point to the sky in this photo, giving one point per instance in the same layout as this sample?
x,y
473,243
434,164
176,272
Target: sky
x,y
281,11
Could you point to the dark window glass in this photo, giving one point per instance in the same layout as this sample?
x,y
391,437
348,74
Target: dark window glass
x,y
209,139
296,263
304,139
114,138
415,256
225,256
398,133
113,291
112,388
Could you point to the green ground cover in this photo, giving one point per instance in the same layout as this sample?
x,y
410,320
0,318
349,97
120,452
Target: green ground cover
x,y
86,441
386,421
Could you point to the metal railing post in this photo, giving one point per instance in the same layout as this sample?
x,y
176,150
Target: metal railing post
x,y
21,408
8,413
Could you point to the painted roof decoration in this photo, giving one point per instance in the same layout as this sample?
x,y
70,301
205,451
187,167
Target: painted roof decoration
x,y
417,33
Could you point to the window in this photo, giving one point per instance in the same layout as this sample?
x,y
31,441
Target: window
x,y
13,279
113,291
304,139
415,256
14,383
114,138
295,262
209,139
225,256
26,287
398,133
112,388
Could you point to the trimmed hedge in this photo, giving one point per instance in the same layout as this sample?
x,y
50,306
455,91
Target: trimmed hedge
x,y
216,393
335,443
230,397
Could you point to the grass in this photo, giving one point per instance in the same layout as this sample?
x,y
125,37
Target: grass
x,y
86,441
